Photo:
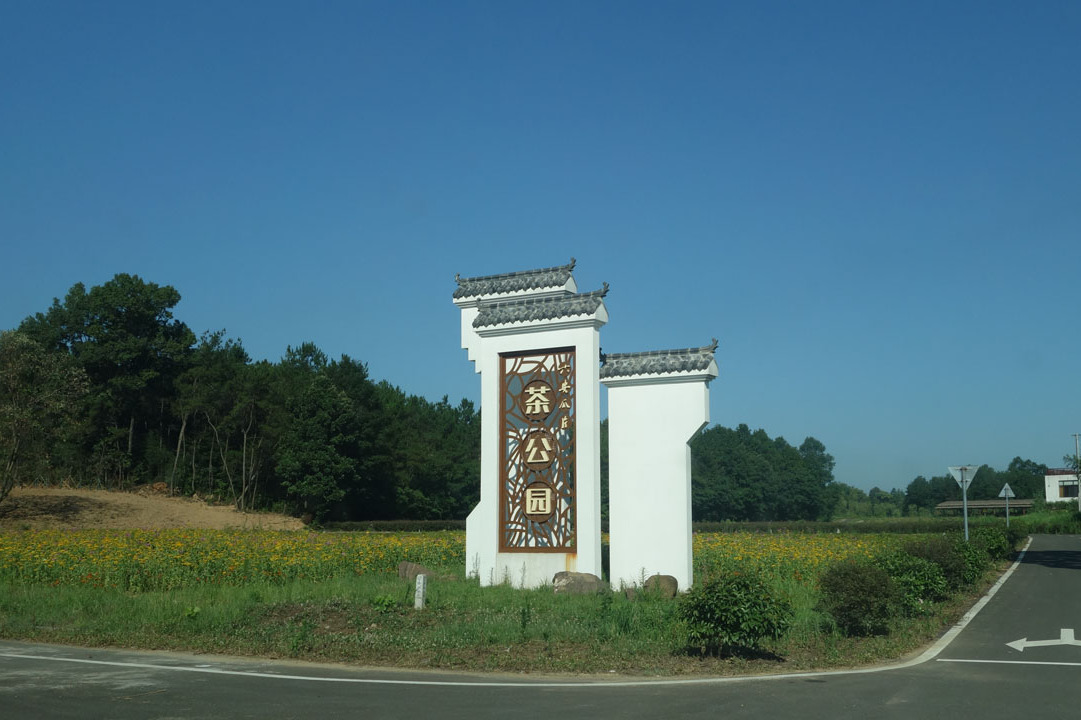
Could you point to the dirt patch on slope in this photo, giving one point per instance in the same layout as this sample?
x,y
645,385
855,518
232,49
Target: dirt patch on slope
x,y
77,509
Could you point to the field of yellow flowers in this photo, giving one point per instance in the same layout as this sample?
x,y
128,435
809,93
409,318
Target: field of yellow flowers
x,y
139,560
799,556
143,560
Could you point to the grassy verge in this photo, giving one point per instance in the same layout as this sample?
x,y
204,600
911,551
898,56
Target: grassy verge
x,y
369,620
1052,520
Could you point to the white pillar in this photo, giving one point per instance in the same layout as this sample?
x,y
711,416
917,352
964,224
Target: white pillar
x,y
657,402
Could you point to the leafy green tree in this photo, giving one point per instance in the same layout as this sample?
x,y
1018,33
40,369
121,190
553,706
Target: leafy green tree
x,y
1025,478
124,336
986,484
314,459
743,475
819,461
433,453
40,394
943,488
881,501
918,496
848,501
204,395
372,495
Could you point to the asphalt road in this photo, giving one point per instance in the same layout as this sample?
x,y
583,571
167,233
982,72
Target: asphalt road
x,y
983,672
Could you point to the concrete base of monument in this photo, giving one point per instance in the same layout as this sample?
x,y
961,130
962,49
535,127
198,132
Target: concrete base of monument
x,y
518,569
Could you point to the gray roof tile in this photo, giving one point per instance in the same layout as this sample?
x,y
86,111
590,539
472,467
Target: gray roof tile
x,y
533,309
656,362
552,277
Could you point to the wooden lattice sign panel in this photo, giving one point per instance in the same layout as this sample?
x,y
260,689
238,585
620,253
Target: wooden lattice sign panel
x,y
536,505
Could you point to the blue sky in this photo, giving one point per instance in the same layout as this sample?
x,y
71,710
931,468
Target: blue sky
x,y
875,207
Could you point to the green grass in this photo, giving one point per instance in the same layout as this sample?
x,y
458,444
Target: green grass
x,y
1053,520
369,620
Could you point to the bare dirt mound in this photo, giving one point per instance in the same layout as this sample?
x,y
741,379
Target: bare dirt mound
x,y
77,509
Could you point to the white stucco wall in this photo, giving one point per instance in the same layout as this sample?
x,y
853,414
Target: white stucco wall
x,y
1051,486
532,569
649,476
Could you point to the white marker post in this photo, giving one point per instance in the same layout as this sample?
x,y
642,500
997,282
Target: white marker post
x,y
1007,492
963,474
421,593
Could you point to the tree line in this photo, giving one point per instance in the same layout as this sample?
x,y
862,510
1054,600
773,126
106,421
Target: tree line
x,y
1025,478
743,475
107,388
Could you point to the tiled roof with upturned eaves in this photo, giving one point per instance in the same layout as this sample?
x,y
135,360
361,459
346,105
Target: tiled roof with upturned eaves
x,y
553,277
656,362
534,309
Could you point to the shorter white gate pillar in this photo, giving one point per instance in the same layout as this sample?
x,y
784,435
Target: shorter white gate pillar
x,y
657,402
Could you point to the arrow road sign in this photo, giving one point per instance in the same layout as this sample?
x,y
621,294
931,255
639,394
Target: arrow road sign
x,y
1065,638
963,474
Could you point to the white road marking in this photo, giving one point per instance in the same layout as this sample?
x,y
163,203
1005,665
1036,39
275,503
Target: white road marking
x,y
1010,662
1065,637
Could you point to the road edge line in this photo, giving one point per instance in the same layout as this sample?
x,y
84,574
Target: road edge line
x,y
953,632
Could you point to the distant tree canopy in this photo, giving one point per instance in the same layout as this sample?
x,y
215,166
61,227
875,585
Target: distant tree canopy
x,y
107,388
743,475
1025,478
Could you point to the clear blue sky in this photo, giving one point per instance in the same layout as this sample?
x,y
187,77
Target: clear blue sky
x,y
875,207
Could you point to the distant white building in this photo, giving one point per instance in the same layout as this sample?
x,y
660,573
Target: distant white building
x,y
1060,486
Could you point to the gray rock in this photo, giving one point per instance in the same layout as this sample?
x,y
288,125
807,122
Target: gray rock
x,y
409,571
663,585
576,583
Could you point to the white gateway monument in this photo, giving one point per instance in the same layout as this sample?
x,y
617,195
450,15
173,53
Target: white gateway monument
x,y
535,340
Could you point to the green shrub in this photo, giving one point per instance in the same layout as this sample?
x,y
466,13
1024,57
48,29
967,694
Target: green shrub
x,y
975,557
942,551
917,582
857,595
732,612
1015,535
994,541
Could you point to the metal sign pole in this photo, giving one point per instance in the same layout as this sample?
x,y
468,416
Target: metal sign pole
x,y
1077,468
1007,492
959,472
964,500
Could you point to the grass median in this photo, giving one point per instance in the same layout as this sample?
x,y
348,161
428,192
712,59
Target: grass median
x,y
335,597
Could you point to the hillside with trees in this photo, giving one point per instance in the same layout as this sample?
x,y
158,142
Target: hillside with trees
x,y
108,389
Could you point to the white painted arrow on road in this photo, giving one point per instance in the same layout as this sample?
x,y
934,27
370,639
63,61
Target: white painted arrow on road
x,y
1065,638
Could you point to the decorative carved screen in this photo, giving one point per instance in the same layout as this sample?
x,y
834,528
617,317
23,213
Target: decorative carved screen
x,y
536,504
